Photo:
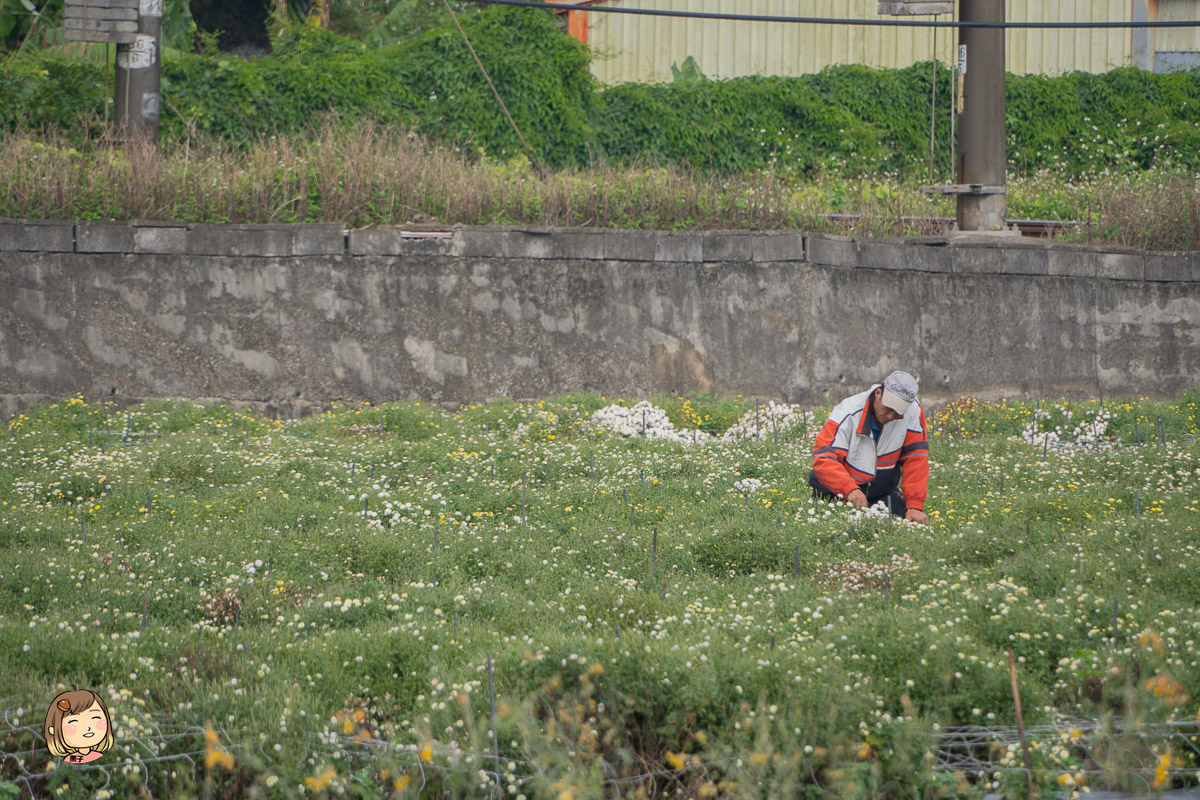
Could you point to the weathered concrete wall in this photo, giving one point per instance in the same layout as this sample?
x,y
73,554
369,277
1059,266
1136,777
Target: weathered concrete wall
x,y
286,316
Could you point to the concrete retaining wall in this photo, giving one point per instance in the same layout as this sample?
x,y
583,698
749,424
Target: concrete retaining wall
x,y
285,316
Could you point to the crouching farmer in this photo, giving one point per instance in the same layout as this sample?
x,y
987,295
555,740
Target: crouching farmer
x,y
873,447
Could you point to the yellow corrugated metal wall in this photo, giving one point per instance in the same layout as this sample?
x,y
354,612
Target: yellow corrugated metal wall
x,y
1177,39
641,48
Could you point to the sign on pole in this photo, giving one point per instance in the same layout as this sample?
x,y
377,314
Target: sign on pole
x,y
135,26
114,21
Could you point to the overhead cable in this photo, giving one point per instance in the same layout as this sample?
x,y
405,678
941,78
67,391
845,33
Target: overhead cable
x,y
889,23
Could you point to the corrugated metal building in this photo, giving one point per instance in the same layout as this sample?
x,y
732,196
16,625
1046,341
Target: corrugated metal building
x,y
643,48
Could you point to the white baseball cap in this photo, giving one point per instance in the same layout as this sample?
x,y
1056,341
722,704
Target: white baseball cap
x,y
899,391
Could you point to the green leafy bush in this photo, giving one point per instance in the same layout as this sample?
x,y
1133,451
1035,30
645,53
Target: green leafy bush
x,y
52,92
846,118
1081,121
311,73
539,72
740,124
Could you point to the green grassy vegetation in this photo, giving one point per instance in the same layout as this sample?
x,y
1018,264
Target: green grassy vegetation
x,y
849,119
312,606
331,128
322,179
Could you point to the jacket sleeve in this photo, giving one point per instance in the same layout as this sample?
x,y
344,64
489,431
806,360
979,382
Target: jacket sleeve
x,y
914,464
829,457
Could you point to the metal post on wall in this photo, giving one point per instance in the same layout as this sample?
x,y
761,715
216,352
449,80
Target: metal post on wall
x,y
978,113
981,128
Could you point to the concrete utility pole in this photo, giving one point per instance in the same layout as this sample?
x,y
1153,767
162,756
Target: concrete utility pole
x,y
981,133
139,76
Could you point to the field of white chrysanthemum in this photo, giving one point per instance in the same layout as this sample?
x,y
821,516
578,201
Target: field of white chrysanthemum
x,y
310,606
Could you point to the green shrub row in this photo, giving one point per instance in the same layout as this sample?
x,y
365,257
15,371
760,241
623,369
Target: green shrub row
x,y
846,117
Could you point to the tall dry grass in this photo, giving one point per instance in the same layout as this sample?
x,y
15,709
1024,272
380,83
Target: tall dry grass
x,y
370,174
1152,215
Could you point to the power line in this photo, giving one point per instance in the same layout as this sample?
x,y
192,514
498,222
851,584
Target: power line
x,y
887,23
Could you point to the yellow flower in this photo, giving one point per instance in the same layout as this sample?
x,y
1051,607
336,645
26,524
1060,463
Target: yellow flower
x,y
321,782
674,760
401,783
1160,772
426,754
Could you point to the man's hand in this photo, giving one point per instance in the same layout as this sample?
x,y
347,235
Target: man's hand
x,y
916,515
857,498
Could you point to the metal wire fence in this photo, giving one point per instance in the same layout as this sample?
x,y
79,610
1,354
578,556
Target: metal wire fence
x,y
976,751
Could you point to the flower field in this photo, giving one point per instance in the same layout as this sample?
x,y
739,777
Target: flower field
x,y
584,598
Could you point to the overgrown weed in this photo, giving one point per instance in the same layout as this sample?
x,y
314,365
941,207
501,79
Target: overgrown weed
x,y
371,174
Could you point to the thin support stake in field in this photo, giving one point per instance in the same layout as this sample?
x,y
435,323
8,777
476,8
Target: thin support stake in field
x,y
654,555
492,699
1016,691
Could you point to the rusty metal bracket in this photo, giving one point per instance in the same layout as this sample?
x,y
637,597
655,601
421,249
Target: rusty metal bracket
x,y
964,188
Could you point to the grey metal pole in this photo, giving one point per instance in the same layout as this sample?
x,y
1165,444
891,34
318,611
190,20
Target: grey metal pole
x,y
981,134
139,76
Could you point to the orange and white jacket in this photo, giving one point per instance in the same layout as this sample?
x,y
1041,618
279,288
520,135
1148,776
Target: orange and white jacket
x,y
846,457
